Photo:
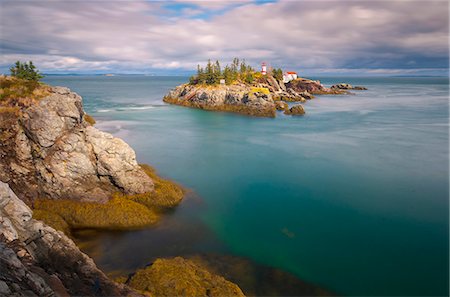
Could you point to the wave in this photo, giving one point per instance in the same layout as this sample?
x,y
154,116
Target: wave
x,y
126,108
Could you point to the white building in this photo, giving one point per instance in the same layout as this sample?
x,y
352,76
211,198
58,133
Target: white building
x,y
263,68
288,76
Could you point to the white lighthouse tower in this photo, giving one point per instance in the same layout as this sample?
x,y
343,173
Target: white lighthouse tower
x,y
263,68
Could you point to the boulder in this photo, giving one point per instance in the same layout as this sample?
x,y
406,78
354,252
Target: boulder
x,y
296,110
281,105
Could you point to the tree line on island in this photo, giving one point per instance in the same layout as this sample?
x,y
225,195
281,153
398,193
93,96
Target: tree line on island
x,y
238,71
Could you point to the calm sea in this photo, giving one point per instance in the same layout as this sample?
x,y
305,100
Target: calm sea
x,y
353,196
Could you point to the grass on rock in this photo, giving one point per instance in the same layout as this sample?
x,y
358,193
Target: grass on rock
x,y
20,92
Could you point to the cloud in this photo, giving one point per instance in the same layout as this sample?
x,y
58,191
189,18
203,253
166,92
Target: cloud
x,y
142,36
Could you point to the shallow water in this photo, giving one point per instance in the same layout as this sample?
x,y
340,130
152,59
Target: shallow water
x,y
353,196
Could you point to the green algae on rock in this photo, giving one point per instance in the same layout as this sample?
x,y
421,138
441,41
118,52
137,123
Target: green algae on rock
x,y
181,277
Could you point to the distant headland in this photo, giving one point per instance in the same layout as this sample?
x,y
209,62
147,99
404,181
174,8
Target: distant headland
x,y
241,89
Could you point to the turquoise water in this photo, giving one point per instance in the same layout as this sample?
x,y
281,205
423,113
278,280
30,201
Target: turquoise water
x,y
353,196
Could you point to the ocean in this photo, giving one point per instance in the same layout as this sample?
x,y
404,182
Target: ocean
x,y
352,197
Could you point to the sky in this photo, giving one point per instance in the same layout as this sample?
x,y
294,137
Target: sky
x,y
171,37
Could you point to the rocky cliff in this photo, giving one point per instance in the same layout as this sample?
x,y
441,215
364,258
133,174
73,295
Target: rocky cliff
x,y
37,260
49,150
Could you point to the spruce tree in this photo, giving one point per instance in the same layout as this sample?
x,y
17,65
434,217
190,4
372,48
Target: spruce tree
x,y
25,71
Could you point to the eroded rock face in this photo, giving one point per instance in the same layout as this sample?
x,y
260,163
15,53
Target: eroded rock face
x,y
237,98
182,277
50,151
37,260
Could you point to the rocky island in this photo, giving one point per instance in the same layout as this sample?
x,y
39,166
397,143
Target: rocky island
x,y
241,89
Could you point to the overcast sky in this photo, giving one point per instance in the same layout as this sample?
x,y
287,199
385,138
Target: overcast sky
x,y
312,37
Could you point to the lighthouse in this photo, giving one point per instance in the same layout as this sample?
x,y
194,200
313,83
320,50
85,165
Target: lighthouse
x,y
263,68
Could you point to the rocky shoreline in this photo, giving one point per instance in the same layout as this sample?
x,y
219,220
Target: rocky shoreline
x,y
262,98
70,175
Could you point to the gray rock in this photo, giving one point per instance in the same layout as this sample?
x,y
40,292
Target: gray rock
x,y
50,264
54,153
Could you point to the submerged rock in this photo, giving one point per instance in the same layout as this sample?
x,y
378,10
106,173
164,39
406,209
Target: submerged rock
x,y
181,277
256,279
48,150
295,110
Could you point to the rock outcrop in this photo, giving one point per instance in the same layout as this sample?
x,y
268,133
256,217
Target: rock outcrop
x,y
281,105
344,86
37,260
237,98
295,110
49,150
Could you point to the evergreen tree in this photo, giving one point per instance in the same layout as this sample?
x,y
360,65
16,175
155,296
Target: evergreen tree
x,y
201,77
235,68
25,71
217,72
228,75
209,73
278,74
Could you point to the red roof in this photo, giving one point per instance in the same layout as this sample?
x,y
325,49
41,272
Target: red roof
x,y
291,72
